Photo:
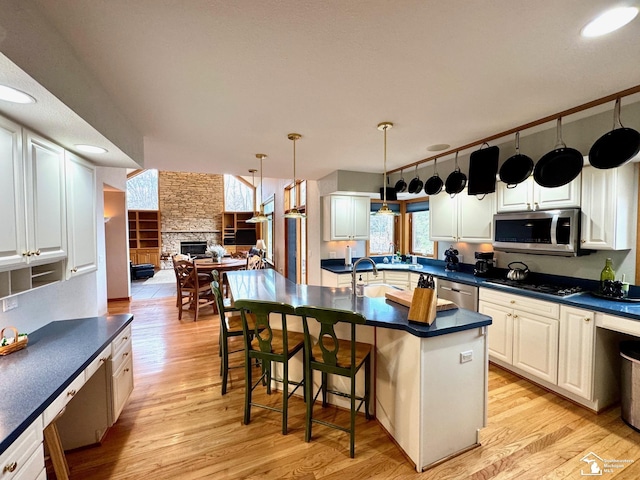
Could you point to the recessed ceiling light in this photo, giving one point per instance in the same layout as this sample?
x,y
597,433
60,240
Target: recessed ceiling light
x,y
91,149
609,21
16,96
438,147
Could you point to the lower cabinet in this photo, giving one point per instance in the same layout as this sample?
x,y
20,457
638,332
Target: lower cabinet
x,y
576,350
122,372
557,345
24,459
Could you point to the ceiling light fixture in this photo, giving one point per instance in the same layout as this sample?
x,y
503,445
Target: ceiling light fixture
x,y
91,149
385,210
609,21
294,212
10,94
438,147
261,217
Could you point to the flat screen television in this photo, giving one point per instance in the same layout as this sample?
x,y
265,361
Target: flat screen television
x,y
246,237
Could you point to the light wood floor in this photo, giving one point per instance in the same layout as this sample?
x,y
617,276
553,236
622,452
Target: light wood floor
x,y
177,425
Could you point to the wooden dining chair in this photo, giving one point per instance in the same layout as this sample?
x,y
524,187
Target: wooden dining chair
x,y
269,345
180,298
255,262
193,286
332,356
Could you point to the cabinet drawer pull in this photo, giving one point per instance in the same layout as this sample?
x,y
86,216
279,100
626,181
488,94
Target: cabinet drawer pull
x,y
125,338
125,354
126,369
10,468
74,269
71,393
512,301
515,316
37,252
104,359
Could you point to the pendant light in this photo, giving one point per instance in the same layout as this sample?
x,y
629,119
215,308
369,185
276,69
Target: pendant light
x,y
294,212
261,217
385,210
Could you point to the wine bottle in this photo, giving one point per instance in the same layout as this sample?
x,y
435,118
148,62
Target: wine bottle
x,y
607,274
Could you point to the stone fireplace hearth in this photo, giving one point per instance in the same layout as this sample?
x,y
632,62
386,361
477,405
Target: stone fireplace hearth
x,y
171,243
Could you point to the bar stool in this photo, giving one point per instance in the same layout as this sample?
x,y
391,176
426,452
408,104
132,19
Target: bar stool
x,y
269,345
230,326
331,355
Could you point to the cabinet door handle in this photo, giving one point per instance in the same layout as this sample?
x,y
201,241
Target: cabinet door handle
x,y
74,269
10,467
583,241
512,301
126,369
125,338
26,254
104,359
125,354
71,393
37,252
587,319
509,315
528,206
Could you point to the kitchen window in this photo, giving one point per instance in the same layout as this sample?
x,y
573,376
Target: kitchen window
x,y
383,230
419,241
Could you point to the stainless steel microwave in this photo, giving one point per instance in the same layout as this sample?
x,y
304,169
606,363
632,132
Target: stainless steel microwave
x,y
545,232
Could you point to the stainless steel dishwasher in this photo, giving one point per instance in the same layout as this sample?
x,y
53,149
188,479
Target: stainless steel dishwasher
x,y
464,296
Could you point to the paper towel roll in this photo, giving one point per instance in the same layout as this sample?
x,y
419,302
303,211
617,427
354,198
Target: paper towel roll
x,y
347,256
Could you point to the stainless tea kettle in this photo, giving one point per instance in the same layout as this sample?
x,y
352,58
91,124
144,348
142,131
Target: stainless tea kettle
x,y
517,274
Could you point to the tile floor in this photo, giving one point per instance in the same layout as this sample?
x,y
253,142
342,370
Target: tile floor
x,y
161,285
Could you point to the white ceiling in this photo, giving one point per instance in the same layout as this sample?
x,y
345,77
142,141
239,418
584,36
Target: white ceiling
x,y
211,83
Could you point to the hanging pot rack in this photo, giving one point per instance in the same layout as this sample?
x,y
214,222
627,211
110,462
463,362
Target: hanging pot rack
x,y
535,123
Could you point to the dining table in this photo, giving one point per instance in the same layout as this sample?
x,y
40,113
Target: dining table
x,y
207,265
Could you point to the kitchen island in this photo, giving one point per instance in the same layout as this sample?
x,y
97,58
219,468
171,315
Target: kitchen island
x,y
430,385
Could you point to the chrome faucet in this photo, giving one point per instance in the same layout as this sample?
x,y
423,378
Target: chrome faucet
x,y
355,266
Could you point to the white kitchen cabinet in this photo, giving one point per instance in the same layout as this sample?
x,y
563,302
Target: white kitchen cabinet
x,y
346,217
501,330
526,332
12,213
396,278
24,459
535,345
81,215
608,203
529,196
463,218
122,372
330,279
576,349
45,200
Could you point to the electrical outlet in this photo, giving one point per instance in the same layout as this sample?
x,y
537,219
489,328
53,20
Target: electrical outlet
x,y
9,304
466,356
332,254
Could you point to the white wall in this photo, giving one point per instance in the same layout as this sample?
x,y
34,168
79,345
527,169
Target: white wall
x,y
116,246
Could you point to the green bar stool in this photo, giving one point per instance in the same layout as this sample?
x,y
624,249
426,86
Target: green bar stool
x,y
330,355
269,345
230,326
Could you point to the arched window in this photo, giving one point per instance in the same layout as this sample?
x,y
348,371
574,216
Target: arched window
x,y
142,191
238,194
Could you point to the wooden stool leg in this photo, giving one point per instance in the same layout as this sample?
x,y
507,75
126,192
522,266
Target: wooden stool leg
x,y
54,445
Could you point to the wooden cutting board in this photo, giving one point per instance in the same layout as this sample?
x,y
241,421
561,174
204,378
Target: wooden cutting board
x,y
403,297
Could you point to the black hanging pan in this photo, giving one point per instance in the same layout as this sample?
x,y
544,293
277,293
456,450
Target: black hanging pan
x,y
617,147
415,185
560,166
456,181
433,185
483,167
401,185
517,168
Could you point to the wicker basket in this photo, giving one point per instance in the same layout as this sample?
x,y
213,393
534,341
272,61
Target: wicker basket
x,y
18,344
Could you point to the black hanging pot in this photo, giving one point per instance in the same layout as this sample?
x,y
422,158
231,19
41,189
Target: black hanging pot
x,y
456,181
415,185
401,185
617,147
517,168
483,167
560,166
433,185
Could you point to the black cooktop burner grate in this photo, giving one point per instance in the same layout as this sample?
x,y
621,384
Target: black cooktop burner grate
x,y
558,290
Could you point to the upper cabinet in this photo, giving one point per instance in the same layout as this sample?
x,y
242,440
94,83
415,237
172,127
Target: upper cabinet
x,y
81,215
608,202
529,196
45,195
346,217
12,213
463,218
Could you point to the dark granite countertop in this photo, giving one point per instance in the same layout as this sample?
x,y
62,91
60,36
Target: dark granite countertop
x,y
56,354
580,300
379,312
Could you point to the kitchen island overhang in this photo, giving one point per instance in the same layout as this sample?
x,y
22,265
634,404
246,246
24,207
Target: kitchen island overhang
x,y
431,381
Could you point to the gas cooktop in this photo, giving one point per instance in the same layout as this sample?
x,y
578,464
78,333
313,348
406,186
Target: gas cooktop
x,y
558,290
